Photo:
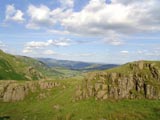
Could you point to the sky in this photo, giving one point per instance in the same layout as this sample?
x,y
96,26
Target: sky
x,y
102,31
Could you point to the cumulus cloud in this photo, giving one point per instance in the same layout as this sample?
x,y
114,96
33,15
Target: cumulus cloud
x,y
39,15
97,18
31,46
13,14
43,16
61,42
121,16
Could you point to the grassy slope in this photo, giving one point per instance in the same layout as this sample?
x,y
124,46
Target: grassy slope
x,y
16,67
10,67
125,69
41,67
34,109
67,72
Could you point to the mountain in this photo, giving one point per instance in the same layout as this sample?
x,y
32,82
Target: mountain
x,y
136,80
40,66
127,92
22,68
75,65
26,68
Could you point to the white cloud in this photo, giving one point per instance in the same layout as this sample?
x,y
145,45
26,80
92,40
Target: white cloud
x,y
40,44
13,14
124,52
39,15
96,18
34,44
124,16
113,39
61,42
42,16
31,46
27,50
49,52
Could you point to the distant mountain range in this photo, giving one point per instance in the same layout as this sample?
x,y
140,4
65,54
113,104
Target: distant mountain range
x,y
25,68
75,65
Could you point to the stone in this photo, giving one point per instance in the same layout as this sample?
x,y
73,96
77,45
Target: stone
x,y
104,87
105,97
97,86
101,93
140,65
15,91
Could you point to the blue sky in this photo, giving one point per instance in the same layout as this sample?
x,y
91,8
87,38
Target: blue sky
x,y
115,31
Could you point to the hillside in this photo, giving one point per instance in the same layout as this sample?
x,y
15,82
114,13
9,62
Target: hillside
x,y
137,80
22,68
42,67
75,65
26,68
128,92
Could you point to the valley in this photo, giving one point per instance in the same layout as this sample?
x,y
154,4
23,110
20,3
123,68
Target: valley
x,y
30,89
79,60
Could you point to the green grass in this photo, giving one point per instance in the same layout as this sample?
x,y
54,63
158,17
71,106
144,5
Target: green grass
x,y
67,73
17,68
125,69
33,108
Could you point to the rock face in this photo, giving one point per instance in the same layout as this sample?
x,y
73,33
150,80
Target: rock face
x,y
141,80
32,73
11,91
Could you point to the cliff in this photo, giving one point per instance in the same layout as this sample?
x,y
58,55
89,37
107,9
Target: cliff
x,y
135,80
11,91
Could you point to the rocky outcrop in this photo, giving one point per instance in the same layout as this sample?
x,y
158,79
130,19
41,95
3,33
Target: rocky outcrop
x,y
33,74
48,85
141,80
11,91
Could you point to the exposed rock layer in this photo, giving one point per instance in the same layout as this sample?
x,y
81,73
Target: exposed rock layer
x,y
16,91
142,80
